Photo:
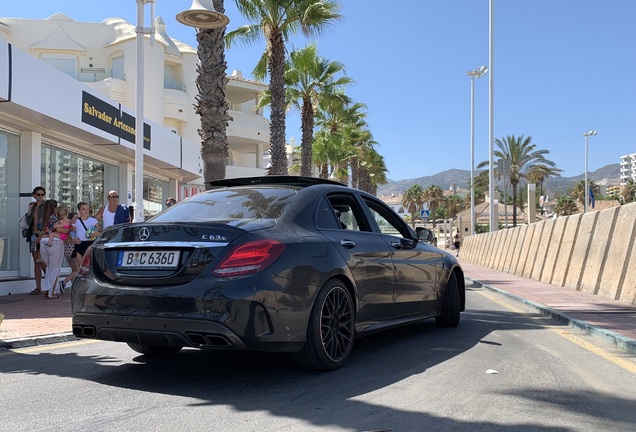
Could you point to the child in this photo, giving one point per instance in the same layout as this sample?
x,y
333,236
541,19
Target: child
x,y
61,228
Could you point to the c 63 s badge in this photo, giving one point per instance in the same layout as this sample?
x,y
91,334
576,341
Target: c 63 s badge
x,y
213,237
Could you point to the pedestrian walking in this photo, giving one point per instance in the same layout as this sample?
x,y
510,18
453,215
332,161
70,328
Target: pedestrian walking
x,y
113,213
83,223
70,254
52,255
457,242
35,223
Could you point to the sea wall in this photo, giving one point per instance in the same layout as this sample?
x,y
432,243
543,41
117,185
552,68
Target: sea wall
x,y
593,252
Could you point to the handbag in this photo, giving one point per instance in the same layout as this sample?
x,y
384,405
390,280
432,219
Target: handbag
x,y
91,233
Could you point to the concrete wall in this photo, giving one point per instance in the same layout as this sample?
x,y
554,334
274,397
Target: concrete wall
x,y
593,252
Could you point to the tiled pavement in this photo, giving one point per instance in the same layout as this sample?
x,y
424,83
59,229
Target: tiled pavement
x,y
32,320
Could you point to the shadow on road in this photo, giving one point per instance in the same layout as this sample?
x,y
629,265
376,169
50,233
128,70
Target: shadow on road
x,y
250,382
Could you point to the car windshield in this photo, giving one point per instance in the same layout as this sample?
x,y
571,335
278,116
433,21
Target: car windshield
x,y
230,204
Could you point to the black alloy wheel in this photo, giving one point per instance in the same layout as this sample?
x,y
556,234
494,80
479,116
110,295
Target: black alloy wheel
x,y
331,329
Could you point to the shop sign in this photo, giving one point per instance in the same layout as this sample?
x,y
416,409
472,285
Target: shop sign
x,y
111,119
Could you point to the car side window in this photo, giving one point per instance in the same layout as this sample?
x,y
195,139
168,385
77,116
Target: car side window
x,y
388,222
325,216
348,213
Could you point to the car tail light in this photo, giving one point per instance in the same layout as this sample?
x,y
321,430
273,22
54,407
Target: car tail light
x,y
85,265
249,258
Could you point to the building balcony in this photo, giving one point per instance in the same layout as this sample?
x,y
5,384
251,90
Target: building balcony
x,y
246,131
176,104
114,88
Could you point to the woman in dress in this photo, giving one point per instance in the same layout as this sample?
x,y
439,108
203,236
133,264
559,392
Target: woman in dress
x,y
53,255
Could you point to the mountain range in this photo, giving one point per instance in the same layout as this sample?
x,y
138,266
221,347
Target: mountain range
x,y
607,175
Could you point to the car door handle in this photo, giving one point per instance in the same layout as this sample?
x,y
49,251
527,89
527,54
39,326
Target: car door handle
x,y
347,244
396,244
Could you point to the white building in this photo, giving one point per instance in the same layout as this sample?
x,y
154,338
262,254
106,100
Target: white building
x,y
67,119
628,167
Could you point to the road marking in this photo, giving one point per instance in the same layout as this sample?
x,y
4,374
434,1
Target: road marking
x,y
628,365
48,347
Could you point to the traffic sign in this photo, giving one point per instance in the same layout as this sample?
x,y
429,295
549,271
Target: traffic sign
x,y
425,214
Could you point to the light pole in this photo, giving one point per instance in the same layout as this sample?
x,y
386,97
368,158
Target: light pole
x,y
494,217
477,73
139,102
586,186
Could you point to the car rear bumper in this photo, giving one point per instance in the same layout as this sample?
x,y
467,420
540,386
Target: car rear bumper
x,y
194,333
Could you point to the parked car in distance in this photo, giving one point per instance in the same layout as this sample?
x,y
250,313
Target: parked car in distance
x,y
277,263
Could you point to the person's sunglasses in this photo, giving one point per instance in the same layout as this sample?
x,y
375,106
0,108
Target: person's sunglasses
x,y
113,196
39,194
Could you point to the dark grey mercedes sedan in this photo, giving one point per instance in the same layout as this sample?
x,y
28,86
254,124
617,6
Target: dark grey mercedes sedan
x,y
291,264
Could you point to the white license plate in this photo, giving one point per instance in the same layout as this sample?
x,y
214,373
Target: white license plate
x,y
151,259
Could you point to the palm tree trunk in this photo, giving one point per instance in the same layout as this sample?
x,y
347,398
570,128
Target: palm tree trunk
x,y
355,173
276,68
211,104
308,137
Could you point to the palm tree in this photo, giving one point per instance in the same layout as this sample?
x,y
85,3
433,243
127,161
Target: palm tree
x,y
372,172
211,104
523,157
578,193
539,173
412,201
309,79
454,204
628,192
276,21
435,196
566,206
343,120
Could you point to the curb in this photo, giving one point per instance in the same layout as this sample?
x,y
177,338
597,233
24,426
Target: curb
x,y
36,341
623,342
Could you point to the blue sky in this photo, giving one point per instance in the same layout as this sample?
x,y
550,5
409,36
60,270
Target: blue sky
x,y
562,67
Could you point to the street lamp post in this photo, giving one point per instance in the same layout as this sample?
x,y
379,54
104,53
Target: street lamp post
x,y
477,73
494,217
586,186
139,102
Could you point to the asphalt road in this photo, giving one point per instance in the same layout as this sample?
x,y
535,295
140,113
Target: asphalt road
x,y
503,369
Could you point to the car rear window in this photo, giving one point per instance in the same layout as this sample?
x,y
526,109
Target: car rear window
x,y
230,204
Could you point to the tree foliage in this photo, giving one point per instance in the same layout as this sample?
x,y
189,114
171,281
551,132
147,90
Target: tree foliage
x,y
276,21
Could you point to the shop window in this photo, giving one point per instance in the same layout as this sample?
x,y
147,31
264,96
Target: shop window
x,y
10,210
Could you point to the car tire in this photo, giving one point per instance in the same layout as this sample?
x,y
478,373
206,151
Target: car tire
x,y
449,317
154,350
330,331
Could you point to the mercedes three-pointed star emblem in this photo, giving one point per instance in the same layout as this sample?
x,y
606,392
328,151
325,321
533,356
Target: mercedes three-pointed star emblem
x,y
144,234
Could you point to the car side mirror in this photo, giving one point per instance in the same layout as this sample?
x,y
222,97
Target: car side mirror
x,y
424,234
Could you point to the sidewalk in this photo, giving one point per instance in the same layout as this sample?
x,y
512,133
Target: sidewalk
x,y
34,320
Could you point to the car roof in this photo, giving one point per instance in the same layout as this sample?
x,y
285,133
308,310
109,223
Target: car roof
x,y
296,181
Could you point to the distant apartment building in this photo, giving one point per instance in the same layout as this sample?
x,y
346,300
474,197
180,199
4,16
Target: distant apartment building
x,y
67,121
613,190
628,167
